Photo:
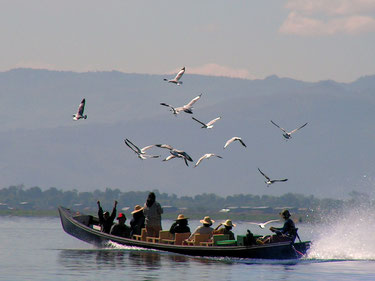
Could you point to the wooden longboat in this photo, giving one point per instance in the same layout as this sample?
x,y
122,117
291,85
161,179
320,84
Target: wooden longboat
x,y
80,226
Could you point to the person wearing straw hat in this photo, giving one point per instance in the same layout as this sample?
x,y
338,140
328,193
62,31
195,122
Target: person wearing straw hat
x,y
138,221
180,226
121,229
205,228
227,229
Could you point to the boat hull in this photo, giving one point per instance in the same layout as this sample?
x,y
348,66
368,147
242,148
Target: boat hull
x,y
282,250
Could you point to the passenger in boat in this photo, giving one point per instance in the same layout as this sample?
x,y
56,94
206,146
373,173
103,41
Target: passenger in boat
x,y
205,228
121,229
106,220
152,211
227,229
180,226
286,233
138,221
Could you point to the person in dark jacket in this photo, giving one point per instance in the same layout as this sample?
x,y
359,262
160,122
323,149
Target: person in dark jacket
x,y
180,226
121,229
152,211
106,220
286,233
138,221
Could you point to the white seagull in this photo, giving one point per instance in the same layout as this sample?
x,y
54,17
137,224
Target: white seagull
x,y
288,135
234,139
176,80
141,153
79,114
175,153
269,181
206,156
263,224
208,125
188,108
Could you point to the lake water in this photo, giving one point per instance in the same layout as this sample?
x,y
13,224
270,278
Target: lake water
x,y
39,249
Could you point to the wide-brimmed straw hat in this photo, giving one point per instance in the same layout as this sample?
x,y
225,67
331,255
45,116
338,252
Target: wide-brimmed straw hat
x,y
137,209
181,217
207,220
229,223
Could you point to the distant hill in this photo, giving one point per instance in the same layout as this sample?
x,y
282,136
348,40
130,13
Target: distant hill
x,y
41,145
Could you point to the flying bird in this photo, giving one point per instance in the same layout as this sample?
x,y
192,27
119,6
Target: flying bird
x,y
79,114
175,153
188,108
141,152
176,80
263,224
234,139
209,125
206,156
288,135
269,181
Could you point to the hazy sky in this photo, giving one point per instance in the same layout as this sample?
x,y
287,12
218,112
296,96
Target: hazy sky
x,y
309,40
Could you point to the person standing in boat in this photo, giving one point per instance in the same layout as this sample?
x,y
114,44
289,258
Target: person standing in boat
x,y
180,226
152,211
121,229
138,221
205,228
227,229
106,220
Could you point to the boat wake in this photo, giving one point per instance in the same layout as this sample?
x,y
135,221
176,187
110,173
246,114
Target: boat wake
x,y
113,245
346,236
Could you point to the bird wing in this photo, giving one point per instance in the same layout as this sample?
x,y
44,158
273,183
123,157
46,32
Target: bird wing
x,y
199,121
267,222
81,107
147,147
282,129
295,130
132,146
165,104
186,156
240,140
229,142
213,121
167,146
279,180
179,74
194,100
200,160
264,175
169,157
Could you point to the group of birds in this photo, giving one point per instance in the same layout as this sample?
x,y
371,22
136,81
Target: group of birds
x,y
177,153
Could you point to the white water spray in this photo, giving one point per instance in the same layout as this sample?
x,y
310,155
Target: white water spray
x,y
347,236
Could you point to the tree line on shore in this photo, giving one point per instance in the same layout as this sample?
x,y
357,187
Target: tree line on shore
x,y
34,198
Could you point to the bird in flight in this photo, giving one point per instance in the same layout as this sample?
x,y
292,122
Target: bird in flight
x,y
175,153
263,224
269,181
234,139
188,108
288,135
79,114
206,156
141,152
208,125
176,80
